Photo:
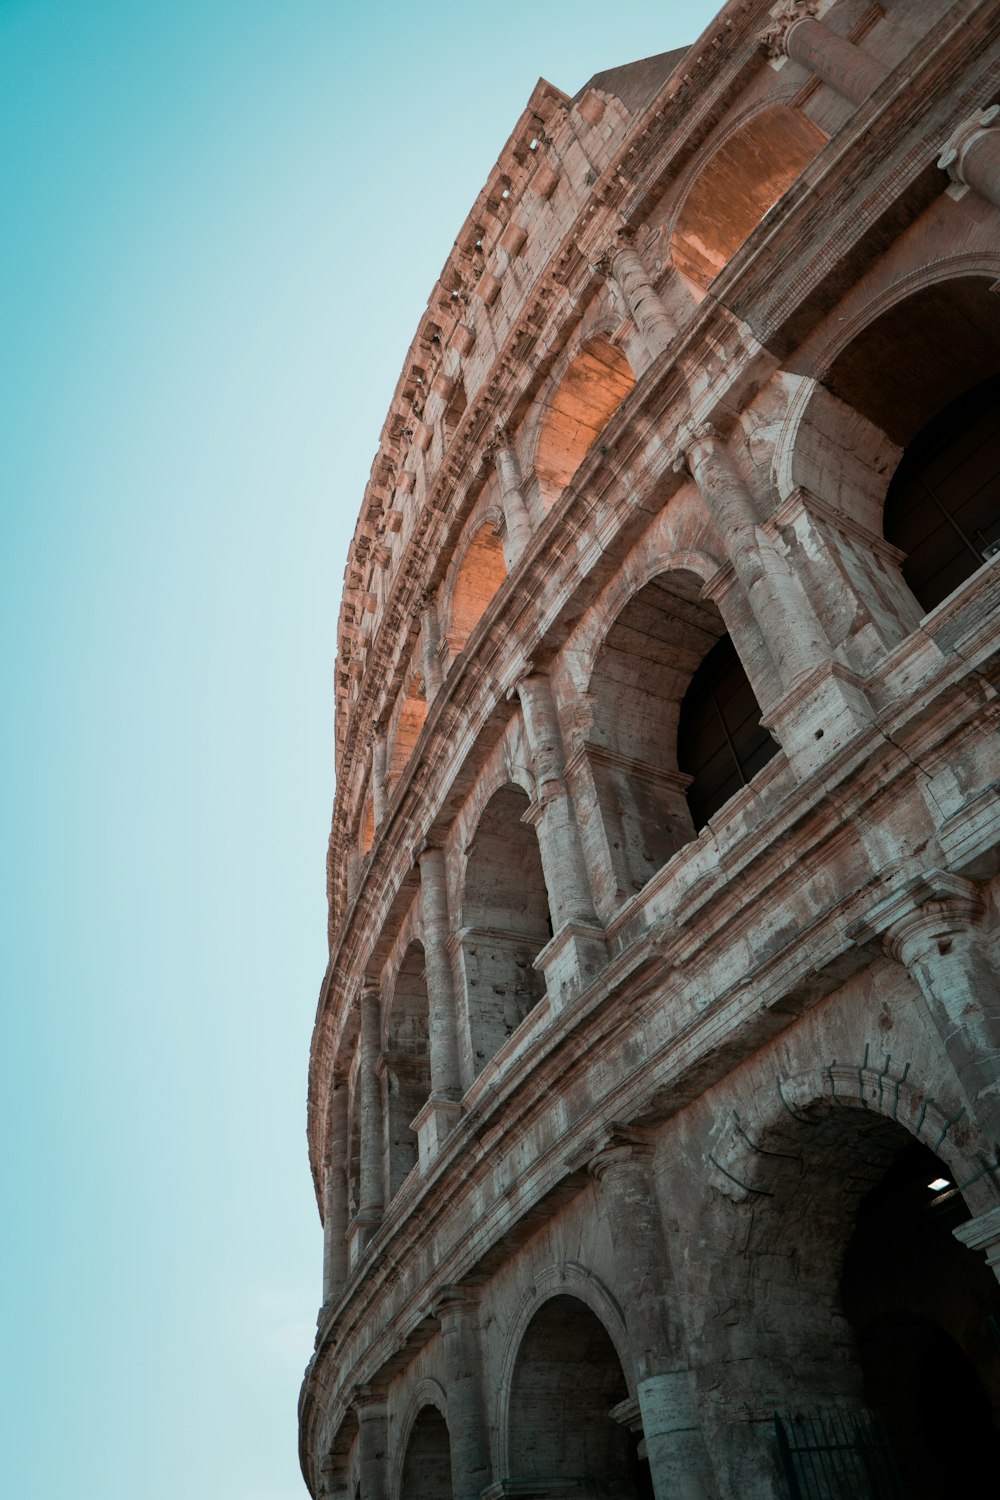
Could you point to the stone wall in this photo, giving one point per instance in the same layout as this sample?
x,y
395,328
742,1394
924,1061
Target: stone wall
x,y
664,868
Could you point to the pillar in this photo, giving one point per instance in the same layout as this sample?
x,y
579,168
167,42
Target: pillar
x,y
517,521
971,156
373,1443
378,773
457,1310
665,1383
794,32
654,323
335,1197
371,1164
941,944
787,624
983,1233
430,635
558,834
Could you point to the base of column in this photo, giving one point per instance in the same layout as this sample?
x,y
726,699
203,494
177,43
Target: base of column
x,y
815,720
571,960
433,1123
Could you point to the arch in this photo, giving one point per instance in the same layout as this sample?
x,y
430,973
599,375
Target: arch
x,y
505,922
566,1383
407,1076
942,507
649,742
426,1393
731,192
409,721
480,573
910,357
721,742
426,1468
366,824
841,1228
592,387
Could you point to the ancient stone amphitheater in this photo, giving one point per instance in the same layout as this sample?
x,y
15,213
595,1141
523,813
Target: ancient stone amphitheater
x,y
654,1100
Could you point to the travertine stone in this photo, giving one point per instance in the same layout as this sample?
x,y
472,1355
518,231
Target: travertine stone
x,y
794,32
683,930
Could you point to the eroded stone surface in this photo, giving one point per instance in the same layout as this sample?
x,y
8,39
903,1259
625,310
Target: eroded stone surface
x,y
664,972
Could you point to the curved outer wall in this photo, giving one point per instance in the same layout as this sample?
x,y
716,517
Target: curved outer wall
x,y
597,1084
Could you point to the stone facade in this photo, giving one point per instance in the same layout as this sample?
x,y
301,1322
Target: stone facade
x,y
664,869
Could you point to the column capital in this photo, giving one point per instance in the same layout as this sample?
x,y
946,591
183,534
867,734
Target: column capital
x,y
983,1233
368,1400
784,16
953,153
370,992
688,440
922,910
616,1147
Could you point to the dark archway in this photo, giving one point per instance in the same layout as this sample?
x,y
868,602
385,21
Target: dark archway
x,y
640,676
851,1280
505,923
721,743
926,1314
407,1066
943,505
563,1427
427,1466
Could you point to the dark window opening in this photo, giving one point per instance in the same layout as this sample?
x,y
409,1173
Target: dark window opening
x,y
943,505
720,739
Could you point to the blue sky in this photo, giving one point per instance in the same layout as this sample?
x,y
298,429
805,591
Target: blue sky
x,y
221,222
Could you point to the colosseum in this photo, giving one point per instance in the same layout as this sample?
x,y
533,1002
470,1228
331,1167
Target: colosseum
x,y
654,1096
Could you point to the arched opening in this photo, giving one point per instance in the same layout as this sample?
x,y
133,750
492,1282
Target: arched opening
x,y
563,1424
640,675
925,373
409,722
869,1322
943,506
366,829
675,727
926,1314
734,189
480,574
505,923
427,1466
721,743
590,392
407,1066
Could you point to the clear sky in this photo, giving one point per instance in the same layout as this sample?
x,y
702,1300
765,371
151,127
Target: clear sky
x,y
221,220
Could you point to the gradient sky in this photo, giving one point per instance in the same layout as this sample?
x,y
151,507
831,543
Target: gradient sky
x,y
221,220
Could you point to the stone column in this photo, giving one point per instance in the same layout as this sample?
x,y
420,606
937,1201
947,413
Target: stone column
x,y
983,1233
517,521
971,156
371,1165
665,1383
430,635
791,631
457,1310
654,323
941,944
558,835
373,1443
794,32
335,1198
378,773
442,1111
